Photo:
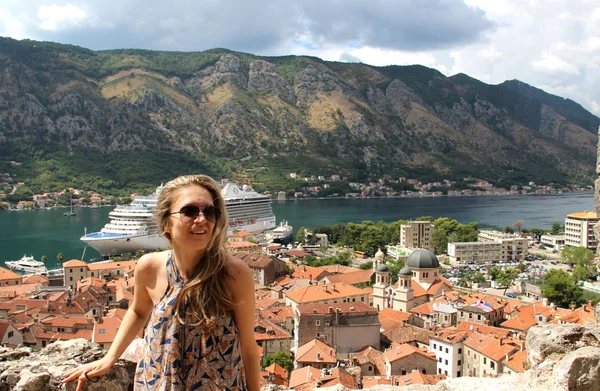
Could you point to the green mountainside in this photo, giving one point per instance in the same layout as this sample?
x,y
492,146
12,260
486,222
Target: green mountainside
x,y
130,119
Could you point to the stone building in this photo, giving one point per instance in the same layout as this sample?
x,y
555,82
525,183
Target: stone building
x,y
348,326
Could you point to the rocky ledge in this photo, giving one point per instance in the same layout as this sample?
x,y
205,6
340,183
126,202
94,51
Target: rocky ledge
x,y
561,357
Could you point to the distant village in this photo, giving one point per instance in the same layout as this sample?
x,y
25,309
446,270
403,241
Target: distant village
x,y
318,186
328,325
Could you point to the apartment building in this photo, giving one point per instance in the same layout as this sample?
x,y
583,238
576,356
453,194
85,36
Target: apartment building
x,y
488,250
416,234
474,252
579,230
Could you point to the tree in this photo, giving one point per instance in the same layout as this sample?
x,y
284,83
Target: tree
x,y
44,259
518,224
507,277
508,229
556,228
300,235
281,358
494,273
580,273
560,289
478,278
366,266
60,257
425,218
577,255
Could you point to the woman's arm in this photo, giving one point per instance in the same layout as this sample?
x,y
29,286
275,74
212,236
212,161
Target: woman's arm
x,y
241,287
133,321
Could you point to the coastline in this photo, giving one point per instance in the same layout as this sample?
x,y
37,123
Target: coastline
x,y
434,196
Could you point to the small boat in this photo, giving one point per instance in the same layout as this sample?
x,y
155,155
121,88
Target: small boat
x,y
26,265
71,213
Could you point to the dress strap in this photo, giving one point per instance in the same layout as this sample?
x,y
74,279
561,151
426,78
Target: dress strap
x,y
173,275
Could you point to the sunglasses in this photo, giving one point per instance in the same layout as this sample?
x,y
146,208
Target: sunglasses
x,y
189,213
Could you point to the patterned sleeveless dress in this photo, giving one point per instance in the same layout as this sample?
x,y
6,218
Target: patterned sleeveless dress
x,y
182,357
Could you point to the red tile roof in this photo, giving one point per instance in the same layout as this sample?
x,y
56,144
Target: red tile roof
x,y
416,377
345,308
518,361
303,375
406,350
74,263
309,272
265,330
316,351
405,333
352,278
489,346
323,292
369,355
6,274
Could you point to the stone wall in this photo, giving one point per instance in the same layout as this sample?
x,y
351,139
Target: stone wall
x,y
561,357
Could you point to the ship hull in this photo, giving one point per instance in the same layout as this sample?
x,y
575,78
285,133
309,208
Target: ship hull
x,y
112,245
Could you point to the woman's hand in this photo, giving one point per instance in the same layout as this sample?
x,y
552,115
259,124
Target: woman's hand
x,y
88,372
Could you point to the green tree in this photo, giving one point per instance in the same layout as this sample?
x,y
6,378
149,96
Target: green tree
x,y
478,278
60,257
281,358
556,228
580,273
366,266
394,268
507,278
508,229
577,255
44,259
560,289
425,218
300,235
494,273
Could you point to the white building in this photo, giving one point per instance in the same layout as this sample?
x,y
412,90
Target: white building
x,y
553,242
448,348
579,230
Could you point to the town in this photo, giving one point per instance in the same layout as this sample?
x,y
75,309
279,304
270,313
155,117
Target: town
x,y
403,316
18,195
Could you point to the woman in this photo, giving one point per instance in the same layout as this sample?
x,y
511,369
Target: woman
x,y
199,299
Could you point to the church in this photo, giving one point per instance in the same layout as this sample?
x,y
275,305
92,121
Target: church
x,y
418,282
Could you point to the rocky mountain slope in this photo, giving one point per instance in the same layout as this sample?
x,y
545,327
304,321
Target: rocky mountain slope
x,y
241,112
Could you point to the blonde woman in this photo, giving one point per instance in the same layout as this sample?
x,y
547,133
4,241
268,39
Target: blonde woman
x,y
198,299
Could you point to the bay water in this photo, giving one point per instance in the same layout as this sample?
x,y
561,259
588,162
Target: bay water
x,y
48,232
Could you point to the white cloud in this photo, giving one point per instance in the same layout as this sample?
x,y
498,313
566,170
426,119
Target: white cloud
x,y
551,44
553,64
60,17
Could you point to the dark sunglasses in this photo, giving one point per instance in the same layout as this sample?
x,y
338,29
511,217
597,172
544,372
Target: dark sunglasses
x,y
189,213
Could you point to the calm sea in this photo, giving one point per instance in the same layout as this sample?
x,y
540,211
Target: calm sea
x,y
47,232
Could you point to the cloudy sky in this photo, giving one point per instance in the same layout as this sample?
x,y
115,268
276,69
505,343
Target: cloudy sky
x,y
551,44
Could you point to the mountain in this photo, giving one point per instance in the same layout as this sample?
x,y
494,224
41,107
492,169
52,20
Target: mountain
x,y
127,118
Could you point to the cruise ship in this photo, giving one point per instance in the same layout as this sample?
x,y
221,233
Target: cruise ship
x,y
132,227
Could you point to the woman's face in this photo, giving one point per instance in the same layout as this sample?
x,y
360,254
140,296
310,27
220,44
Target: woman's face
x,y
187,226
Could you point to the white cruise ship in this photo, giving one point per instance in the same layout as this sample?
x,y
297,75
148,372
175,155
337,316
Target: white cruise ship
x,y
132,227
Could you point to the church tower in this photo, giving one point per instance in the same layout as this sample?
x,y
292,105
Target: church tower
x,y
378,259
382,282
405,292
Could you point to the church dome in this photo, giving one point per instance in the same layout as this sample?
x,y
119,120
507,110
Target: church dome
x,y
422,259
379,255
405,271
382,268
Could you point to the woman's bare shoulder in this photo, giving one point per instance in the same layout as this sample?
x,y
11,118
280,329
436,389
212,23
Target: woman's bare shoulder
x,y
236,267
152,262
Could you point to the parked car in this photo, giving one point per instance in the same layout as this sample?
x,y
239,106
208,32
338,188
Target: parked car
x,y
512,296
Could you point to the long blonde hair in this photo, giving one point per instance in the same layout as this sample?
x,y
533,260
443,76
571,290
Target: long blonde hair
x,y
205,297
